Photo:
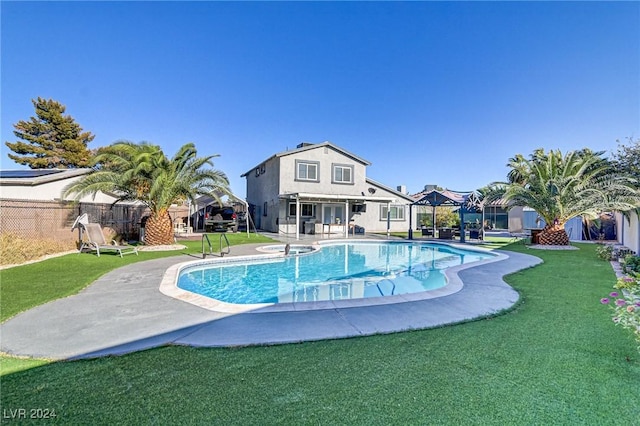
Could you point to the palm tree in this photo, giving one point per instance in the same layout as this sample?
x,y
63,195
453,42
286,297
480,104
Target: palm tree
x,y
560,187
142,172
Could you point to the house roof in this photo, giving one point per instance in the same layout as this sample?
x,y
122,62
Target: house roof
x,y
370,195
386,188
28,177
306,146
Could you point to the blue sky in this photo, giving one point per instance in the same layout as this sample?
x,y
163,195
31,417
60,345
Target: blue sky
x,y
429,92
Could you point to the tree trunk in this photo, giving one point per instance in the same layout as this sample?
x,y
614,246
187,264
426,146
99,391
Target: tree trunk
x,y
553,235
158,230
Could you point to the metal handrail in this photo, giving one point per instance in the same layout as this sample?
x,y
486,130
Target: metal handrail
x,y
228,245
393,289
206,237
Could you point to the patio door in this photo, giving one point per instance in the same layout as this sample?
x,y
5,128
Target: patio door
x,y
331,212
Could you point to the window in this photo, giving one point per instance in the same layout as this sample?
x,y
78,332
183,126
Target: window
x,y
396,212
342,173
307,170
264,209
306,209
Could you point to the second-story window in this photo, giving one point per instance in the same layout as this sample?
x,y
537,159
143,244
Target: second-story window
x,y
307,170
342,173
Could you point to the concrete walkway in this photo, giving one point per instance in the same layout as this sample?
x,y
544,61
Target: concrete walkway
x,y
123,311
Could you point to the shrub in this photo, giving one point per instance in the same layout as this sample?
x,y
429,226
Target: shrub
x,y
605,251
626,283
626,305
15,250
631,264
445,217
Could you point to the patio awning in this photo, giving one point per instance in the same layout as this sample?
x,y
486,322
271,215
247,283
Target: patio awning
x,y
334,198
309,196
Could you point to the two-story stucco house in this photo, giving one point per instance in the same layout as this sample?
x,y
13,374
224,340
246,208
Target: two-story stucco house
x,y
322,189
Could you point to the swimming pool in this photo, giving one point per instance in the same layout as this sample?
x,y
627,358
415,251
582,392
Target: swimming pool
x,y
330,272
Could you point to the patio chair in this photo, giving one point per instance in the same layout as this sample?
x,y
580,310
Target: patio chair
x,y
97,242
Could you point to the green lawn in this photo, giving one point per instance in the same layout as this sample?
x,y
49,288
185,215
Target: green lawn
x,y
31,285
557,358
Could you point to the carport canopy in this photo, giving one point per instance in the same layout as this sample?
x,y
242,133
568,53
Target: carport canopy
x,y
216,198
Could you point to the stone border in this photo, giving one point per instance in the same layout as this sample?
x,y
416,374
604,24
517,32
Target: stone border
x,y
550,247
40,259
124,312
162,247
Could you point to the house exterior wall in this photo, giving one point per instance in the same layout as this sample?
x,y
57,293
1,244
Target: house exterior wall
x,y
325,157
47,191
373,221
628,231
263,187
279,176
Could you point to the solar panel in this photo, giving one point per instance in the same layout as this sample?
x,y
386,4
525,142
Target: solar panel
x,y
26,174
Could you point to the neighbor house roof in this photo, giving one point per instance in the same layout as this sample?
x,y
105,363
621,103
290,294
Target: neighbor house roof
x,y
32,177
47,184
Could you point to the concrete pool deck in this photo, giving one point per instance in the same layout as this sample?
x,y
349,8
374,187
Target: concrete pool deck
x,y
124,311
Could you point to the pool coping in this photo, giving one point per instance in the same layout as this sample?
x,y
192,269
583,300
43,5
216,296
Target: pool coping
x,y
169,285
123,312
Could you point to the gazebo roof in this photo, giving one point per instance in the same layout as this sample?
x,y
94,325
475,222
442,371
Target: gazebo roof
x,y
439,198
468,200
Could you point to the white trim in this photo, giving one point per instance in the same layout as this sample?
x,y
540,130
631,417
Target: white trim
x,y
340,197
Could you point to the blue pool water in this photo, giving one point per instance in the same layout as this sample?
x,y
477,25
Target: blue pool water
x,y
337,271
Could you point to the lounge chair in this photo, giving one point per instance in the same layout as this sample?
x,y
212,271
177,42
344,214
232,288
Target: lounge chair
x,y
97,242
516,231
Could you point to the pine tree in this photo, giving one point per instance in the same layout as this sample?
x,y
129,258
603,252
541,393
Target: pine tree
x,y
51,139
